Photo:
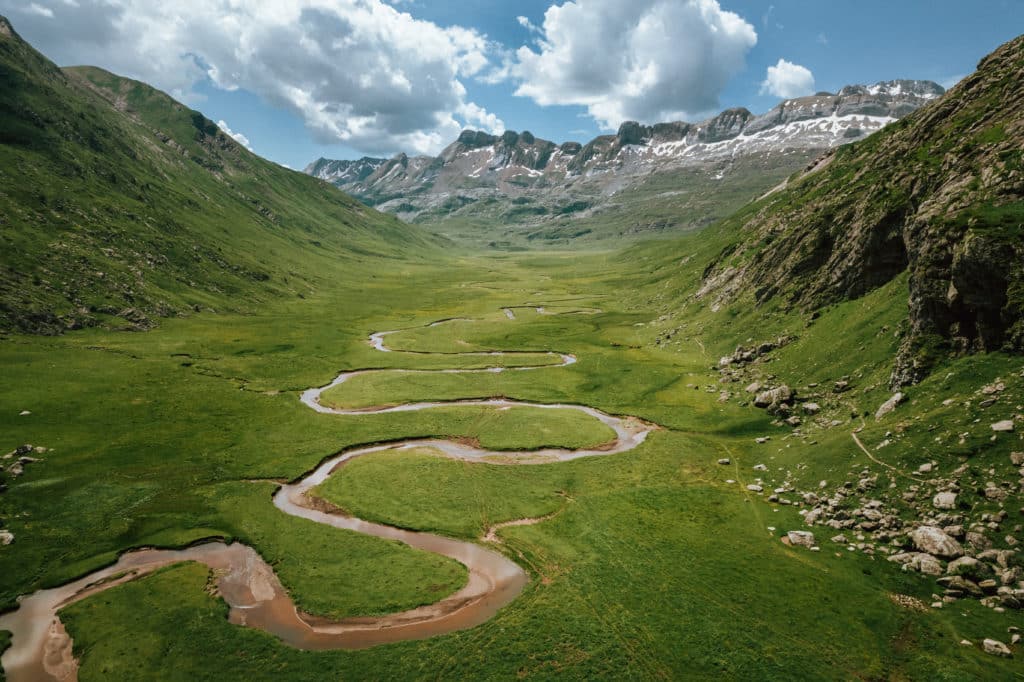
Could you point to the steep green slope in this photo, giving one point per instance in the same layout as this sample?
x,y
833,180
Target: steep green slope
x,y
799,306
663,204
119,202
939,194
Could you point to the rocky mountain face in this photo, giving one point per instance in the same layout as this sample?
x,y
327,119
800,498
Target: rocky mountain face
x,y
938,195
344,172
576,179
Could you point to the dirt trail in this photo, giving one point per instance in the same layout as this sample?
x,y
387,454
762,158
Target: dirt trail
x,y
42,651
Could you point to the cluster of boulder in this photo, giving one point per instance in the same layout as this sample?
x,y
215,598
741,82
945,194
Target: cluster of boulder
x,y
23,453
941,541
778,399
746,354
21,456
951,525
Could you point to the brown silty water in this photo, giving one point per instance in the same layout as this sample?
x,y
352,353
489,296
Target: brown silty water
x,y
41,650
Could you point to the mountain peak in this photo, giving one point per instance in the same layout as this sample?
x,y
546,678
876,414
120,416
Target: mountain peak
x,y
476,138
896,88
483,168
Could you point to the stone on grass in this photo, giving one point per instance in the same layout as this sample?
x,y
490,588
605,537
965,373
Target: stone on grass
x,y
725,461
945,500
1005,426
996,648
925,563
775,396
811,408
965,564
934,541
800,538
754,488
917,561
6,537
889,405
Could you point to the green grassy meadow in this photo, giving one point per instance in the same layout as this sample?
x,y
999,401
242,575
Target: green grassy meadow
x,y
652,565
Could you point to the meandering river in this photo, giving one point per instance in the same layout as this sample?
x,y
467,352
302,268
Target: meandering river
x,y
42,651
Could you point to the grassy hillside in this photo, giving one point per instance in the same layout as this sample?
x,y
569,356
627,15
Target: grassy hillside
x,y
653,565
119,205
663,562
938,195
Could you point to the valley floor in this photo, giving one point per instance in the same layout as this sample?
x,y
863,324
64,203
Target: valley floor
x,y
654,562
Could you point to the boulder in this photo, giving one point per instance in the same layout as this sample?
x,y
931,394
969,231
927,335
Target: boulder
x,y
811,408
800,538
965,564
754,488
978,541
924,563
934,541
889,405
960,585
996,648
775,396
945,500
6,537
1005,426
725,461
994,493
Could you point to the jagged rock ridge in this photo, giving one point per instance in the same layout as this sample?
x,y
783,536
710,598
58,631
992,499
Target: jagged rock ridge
x,y
480,166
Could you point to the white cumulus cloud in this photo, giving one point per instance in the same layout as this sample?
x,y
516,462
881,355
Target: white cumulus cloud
x,y
787,79
238,137
358,72
649,60
527,24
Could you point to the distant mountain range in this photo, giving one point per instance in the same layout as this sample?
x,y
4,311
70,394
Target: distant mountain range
x,y
551,180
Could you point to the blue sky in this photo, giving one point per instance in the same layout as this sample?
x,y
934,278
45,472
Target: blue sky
x,y
292,76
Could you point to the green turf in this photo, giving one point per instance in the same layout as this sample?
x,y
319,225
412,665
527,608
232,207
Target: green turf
x,y
421,489
652,565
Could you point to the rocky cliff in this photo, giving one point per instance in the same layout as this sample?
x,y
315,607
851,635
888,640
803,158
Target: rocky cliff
x,y
937,195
